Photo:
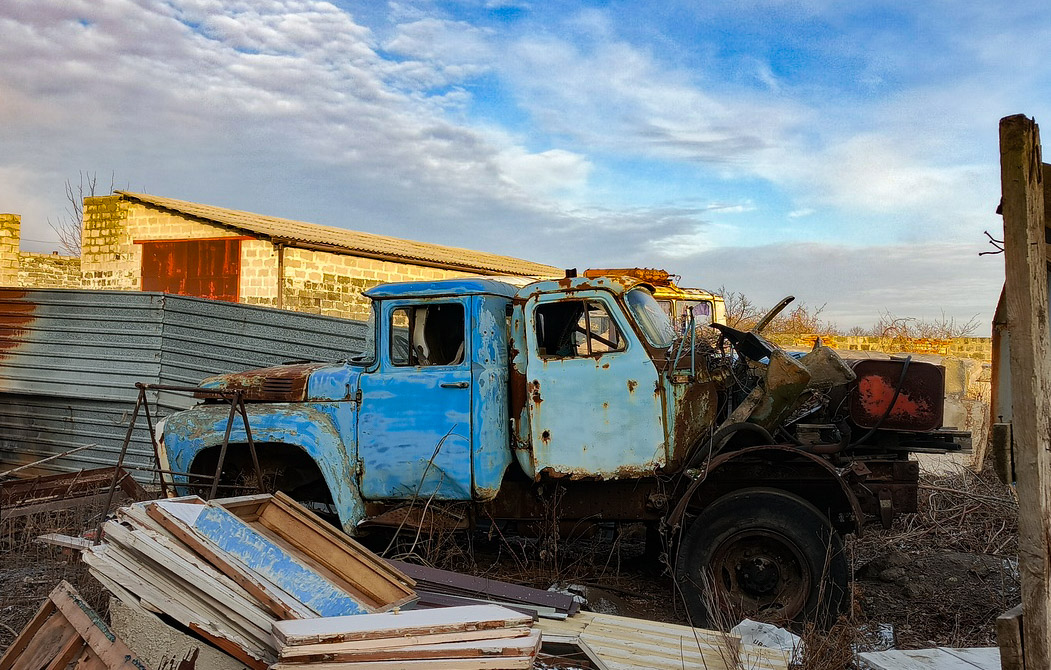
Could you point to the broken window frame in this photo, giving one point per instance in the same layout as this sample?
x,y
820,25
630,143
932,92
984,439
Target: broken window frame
x,y
588,304
399,359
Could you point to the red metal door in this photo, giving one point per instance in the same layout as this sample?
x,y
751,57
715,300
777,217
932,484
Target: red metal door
x,y
202,268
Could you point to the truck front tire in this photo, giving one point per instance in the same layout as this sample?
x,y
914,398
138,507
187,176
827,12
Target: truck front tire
x,y
763,554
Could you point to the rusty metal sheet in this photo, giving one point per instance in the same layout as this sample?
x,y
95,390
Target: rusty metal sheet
x,y
203,268
44,494
919,406
69,360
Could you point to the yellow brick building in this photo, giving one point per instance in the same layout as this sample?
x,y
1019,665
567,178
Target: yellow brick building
x,y
26,269
135,241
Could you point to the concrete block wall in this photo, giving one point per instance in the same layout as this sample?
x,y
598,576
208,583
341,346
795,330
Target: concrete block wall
x,y
32,270
317,282
10,238
977,348
48,270
320,282
110,259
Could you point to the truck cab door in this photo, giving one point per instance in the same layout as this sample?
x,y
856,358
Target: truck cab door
x,y
414,422
591,389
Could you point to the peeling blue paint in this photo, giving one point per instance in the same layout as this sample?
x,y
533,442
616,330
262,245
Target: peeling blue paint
x,y
256,551
616,426
392,430
316,428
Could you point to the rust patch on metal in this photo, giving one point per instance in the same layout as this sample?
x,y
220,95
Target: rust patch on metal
x,y
534,392
545,436
283,383
632,384
16,315
918,406
695,408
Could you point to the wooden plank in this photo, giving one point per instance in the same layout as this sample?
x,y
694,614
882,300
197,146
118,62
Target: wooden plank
x,y
189,574
282,604
226,620
922,659
1021,181
333,650
47,643
1009,638
504,663
94,631
383,586
455,583
67,541
513,646
239,543
985,658
21,642
248,649
73,649
413,622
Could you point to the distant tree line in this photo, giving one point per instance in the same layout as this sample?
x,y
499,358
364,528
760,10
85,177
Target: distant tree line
x,y
798,318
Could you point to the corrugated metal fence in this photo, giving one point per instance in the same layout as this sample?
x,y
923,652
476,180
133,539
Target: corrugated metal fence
x,y
69,360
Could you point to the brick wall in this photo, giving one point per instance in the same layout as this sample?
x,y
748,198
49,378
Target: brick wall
x,y
10,238
32,270
976,348
318,282
48,271
325,283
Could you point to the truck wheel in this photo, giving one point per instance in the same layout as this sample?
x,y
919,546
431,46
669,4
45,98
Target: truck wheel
x,y
762,554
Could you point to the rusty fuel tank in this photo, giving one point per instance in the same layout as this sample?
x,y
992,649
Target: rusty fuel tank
x,y
919,405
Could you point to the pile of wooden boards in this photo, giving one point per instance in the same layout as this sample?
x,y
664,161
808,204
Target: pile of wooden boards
x,y
272,585
478,637
227,570
67,632
445,588
625,643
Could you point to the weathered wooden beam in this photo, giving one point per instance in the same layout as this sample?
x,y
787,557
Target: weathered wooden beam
x,y
1022,184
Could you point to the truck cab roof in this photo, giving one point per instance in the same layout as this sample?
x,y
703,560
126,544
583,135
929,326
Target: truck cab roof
x,y
502,286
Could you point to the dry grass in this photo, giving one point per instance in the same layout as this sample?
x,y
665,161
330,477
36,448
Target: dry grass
x,y
29,569
941,576
960,511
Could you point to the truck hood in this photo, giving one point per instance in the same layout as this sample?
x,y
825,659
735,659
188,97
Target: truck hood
x,y
281,383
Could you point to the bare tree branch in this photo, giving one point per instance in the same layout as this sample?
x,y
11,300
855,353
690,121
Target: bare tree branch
x,y
68,227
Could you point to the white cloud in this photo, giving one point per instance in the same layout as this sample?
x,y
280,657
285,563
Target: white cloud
x,y
613,96
857,283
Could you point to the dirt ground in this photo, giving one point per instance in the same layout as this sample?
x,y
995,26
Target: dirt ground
x,y
939,577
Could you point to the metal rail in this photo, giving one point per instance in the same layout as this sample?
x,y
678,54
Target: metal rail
x,y
237,406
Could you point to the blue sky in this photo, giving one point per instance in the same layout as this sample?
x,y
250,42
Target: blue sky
x,y
842,152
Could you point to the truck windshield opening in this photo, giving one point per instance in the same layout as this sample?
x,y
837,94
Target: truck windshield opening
x,y
652,320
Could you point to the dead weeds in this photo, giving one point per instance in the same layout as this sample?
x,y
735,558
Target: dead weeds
x,y
941,576
29,569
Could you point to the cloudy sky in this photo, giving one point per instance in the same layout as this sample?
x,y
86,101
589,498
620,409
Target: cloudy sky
x,y
842,152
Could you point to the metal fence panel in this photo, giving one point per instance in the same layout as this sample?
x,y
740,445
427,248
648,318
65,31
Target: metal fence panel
x,y
69,359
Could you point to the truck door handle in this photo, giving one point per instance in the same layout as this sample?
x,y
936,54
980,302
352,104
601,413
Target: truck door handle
x,y
454,385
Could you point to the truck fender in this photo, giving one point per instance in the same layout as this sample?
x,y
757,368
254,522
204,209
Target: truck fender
x,y
312,428
679,511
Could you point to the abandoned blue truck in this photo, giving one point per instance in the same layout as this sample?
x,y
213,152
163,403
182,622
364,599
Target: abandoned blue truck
x,y
748,463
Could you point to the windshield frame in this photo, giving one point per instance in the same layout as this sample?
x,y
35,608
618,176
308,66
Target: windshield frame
x,y
650,317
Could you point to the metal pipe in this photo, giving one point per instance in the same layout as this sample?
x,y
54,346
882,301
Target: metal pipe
x,y
45,460
280,275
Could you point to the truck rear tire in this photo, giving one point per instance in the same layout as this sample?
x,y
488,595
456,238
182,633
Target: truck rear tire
x,y
763,554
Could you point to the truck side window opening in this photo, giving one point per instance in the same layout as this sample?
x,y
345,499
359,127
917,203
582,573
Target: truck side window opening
x,y
432,334
575,328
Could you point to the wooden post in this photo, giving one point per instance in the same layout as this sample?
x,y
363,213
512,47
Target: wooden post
x,y
1026,269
